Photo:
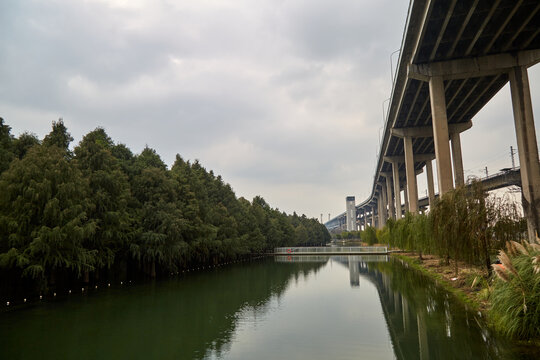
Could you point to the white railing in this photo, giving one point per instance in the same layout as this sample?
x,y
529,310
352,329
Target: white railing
x,y
325,258
332,250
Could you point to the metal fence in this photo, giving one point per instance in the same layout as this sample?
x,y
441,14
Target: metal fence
x,y
325,258
331,250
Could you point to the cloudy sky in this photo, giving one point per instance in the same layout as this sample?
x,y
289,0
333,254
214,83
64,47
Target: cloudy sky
x,y
282,98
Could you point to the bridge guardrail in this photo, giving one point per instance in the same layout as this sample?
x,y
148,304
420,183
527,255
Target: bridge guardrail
x,y
332,250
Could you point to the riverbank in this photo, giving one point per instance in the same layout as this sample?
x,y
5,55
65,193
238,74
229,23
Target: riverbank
x,y
470,284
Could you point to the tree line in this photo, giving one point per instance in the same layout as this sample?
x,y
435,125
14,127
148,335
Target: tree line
x,y
465,224
100,210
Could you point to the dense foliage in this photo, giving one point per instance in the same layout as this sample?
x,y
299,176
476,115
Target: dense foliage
x,y
468,225
464,225
369,235
100,210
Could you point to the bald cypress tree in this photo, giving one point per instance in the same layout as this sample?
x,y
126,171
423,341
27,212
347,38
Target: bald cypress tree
x,y
109,193
59,136
43,219
159,240
23,143
6,143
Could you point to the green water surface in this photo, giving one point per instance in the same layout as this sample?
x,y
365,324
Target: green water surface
x,y
276,308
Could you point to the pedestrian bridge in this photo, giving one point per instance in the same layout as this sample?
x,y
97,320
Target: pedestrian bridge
x,y
332,250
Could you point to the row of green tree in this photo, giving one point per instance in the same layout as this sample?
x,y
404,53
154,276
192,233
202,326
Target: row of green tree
x,y
468,225
465,224
347,235
75,215
368,235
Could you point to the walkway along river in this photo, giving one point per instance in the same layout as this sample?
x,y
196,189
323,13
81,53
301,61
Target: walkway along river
x,y
283,307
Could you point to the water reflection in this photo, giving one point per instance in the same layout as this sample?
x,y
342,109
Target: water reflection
x,y
293,307
184,318
423,320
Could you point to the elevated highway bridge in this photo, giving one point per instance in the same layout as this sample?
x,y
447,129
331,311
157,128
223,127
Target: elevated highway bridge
x,y
455,56
502,179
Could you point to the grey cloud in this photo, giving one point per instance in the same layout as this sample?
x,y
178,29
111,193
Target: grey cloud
x,y
276,96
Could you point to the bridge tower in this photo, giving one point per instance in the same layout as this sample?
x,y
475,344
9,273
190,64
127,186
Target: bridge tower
x,y
351,213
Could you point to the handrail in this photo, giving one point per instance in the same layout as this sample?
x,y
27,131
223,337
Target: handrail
x,y
331,249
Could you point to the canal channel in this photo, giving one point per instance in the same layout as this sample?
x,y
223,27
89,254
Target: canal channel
x,y
282,307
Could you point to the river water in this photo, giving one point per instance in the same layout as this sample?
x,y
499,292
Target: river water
x,y
348,307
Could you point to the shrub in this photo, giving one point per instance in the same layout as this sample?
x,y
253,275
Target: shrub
x,y
369,235
516,295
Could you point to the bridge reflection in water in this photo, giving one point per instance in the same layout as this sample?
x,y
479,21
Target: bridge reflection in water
x,y
423,320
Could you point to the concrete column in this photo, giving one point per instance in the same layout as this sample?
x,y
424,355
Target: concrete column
x,y
397,189
459,178
373,216
350,206
527,148
411,175
430,185
365,219
384,201
379,212
390,198
406,197
440,134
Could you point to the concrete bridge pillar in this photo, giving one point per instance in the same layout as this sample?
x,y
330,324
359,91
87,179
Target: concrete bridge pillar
x,y
379,212
383,201
440,134
527,148
397,189
389,196
350,213
411,175
430,184
459,177
406,196
364,219
373,215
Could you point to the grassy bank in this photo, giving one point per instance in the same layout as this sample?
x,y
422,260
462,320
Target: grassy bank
x,y
469,286
460,286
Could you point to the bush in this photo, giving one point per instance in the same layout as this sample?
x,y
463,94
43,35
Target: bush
x,y
369,235
465,224
516,295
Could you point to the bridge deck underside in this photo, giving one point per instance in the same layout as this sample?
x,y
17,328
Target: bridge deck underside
x,y
451,30
443,30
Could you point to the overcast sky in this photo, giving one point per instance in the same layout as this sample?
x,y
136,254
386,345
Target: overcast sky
x,y
282,98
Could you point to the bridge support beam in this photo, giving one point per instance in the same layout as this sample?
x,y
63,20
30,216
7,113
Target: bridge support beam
x,y
384,201
427,131
459,177
430,184
411,175
527,148
389,196
373,215
381,202
364,220
397,188
440,134
406,197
